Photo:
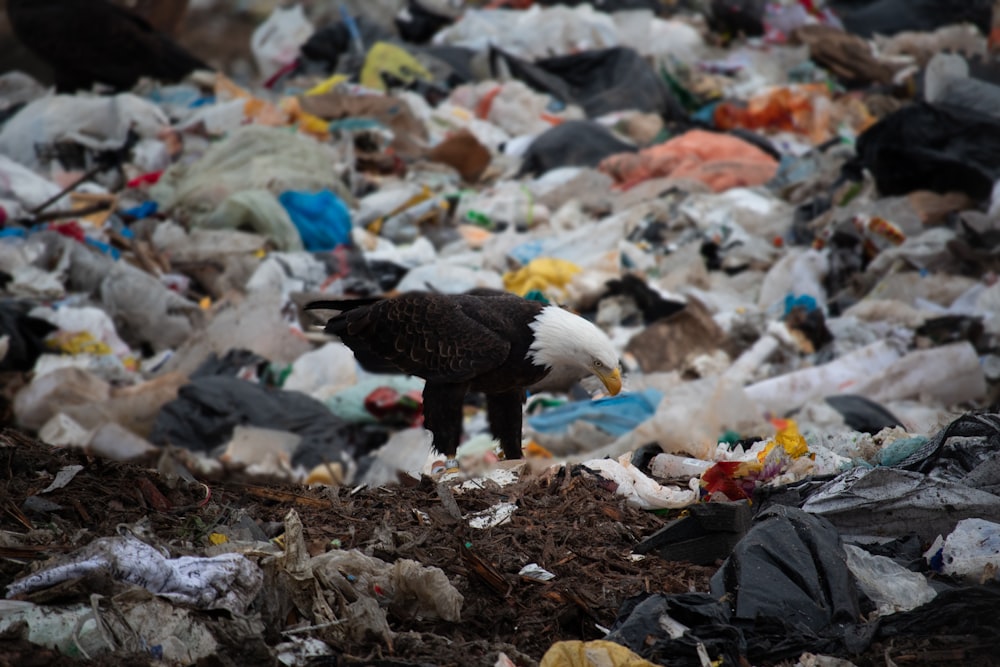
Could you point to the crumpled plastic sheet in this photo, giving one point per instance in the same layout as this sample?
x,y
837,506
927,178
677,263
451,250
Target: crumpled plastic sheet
x,y
99,123
426,591
889,585
251,158
227,581
638,489
890,502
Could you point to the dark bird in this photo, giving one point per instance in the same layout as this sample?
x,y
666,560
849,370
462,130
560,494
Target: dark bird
x,y
94,41
497,344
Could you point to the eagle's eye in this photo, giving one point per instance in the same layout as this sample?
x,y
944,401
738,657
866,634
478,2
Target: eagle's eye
x,y
598,364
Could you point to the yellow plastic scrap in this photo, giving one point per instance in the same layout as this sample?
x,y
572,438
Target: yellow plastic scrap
x,y
535,451
597,653
540,274
328,85
790,439
79,342
307,123
217,538
384,57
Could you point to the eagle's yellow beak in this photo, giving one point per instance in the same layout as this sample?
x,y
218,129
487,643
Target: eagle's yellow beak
x,y
612,380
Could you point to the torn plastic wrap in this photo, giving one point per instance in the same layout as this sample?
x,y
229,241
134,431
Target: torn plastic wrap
x,y
227,581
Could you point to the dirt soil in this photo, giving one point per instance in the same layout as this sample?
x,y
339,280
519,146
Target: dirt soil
x,y
571,525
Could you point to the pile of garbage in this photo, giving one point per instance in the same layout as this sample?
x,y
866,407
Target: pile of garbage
x,y
784,215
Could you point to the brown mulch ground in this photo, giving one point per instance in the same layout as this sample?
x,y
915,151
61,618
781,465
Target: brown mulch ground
x,y
570,525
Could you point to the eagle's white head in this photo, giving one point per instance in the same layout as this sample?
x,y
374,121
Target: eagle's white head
x,y
564,339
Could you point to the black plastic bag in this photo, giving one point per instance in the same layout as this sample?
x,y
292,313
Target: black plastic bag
x,y
327,45
888,17
206,411
963,620
926,147
26,336
789,587
232,364
640,627
575,143
863,414
600,81
738,17
651,303
418,24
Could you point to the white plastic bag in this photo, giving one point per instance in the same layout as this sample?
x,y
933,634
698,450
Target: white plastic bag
x,y
276,41
98,123
323,372
640,490
24,189
972,550
889,585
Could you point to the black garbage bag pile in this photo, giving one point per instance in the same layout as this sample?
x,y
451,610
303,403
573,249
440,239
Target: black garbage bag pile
x,y
787,587
928,147
217,400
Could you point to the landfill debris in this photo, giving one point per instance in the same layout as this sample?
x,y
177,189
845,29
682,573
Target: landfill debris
x,y
227,581
777,223
536,573
970,551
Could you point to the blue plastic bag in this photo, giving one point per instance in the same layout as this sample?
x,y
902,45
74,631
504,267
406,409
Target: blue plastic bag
x,y
616,415
322,218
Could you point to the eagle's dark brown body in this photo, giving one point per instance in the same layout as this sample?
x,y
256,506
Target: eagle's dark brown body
x,y
88,41
457,343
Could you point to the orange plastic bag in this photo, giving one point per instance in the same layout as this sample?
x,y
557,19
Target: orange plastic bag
x,y
720,161
802,109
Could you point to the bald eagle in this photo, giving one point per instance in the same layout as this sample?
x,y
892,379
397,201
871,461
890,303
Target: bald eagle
x,y
497,344
88,41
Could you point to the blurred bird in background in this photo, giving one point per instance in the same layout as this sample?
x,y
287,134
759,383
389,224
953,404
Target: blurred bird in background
x,y
95,41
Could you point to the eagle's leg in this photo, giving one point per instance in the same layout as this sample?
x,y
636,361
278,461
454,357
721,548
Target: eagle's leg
x,y
505,416
443,416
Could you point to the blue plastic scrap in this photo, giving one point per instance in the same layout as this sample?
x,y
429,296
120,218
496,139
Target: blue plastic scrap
x,y
104,248
805,301
616,415
323,220
143,210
